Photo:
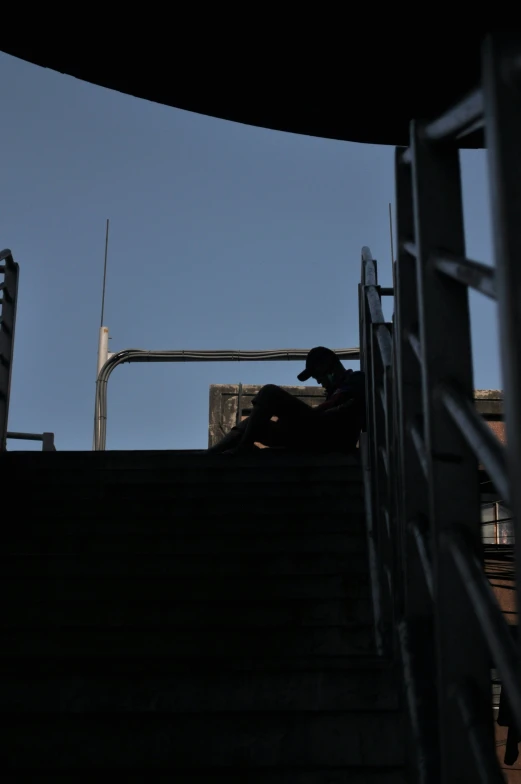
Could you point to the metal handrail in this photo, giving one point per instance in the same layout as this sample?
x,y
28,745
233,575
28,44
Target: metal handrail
x,y
425,519
142,355
47,439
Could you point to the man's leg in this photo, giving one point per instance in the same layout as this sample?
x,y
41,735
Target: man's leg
x,y
230,440
273,401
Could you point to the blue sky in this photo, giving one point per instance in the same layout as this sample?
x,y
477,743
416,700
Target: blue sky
x,y
222,236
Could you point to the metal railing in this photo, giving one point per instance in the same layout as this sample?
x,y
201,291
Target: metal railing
x,y
425,439
47,439
9,274
141,355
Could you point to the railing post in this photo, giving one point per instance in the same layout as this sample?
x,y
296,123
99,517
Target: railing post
x,y
369,459
376,362
502,94
48,442
417,626
452,468
381,468
9,291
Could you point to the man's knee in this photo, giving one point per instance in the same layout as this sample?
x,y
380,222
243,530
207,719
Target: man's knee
x,y
267,392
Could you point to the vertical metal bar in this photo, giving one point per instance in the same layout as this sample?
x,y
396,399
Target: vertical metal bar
x,y
379,481
400,530
502,96
452,466
238,417
414,495
369,457
420,676
390,492
370,393
7,335
48,442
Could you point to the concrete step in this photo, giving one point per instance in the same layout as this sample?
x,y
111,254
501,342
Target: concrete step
x,y
211,590
225,473
170,460
222,740
32,565
281,641
58,538
84,664
340,690
197,496
262,775
123,512
32,610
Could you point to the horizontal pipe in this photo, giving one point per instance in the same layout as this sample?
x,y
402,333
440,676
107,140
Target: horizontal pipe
x,y
142,355
386,292
276,355
478,435
463,117
472,273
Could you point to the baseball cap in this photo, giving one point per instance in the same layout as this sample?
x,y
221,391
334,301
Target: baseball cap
x,y
316,356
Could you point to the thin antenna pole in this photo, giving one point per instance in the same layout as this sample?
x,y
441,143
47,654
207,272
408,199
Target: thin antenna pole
x,y
103,342
105,273
391,230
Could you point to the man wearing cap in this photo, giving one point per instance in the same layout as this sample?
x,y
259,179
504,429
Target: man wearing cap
x,y
332,426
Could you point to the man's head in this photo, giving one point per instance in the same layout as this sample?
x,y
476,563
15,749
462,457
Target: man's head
x,y
323,365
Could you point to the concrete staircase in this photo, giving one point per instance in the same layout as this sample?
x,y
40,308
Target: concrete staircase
x,y
193,618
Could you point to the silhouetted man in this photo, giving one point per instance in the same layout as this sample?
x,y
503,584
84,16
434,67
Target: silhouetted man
x,y
332,426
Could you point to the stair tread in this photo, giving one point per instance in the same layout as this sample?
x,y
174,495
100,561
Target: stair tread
x,y
65,610
277,501
282,641
213,589
208,475
161,517
345,690
82,663
197,740
57,538
260,775
165,564
110,459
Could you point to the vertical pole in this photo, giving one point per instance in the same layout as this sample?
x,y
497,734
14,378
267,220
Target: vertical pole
x,y
103,344
452,468
502,94
103,355
104,273
417,625
9,297
391,232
